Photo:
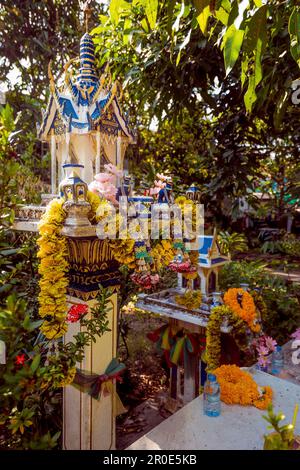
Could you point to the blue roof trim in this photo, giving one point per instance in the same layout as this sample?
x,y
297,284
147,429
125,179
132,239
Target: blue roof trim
x,y
205,244
218,260
79,125
67,107
203,260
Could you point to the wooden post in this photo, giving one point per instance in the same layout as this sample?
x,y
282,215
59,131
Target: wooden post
x,y
89,424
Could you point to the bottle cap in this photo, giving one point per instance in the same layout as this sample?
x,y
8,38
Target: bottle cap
x,y
212,377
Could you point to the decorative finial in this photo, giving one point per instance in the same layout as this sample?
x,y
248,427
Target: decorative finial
x,y
87,11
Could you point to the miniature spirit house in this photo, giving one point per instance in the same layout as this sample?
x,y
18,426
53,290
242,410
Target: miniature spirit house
x,y
84,123
209,263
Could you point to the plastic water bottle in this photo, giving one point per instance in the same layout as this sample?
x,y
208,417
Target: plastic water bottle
x,y
211,397
277,361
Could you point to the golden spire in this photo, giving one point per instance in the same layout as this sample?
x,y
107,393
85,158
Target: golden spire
x,y
87,12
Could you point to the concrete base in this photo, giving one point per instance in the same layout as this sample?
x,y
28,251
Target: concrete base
x,y
238,427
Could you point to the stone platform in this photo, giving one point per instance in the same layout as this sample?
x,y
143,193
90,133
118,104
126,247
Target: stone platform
x,y
238,427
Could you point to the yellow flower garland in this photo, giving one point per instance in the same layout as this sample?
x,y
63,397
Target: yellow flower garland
x,y
213,334
190,299
53,254
162,254
239,388
247,311
53,268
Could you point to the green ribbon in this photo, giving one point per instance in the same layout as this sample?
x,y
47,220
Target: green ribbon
x,y
92,383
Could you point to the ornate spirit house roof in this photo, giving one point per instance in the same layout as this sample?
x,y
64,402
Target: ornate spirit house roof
x,y
209,252
85,103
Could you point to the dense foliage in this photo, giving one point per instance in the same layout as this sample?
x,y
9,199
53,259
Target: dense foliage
x,y
208,88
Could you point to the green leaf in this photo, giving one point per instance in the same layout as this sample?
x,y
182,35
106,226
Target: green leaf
x,y
294,30
203,13
182,46
34,325
116,8
232,43
176,23
255,44
281,105
11,251
243,6
26,322
35,363
222,13
170,10
151,7
127,33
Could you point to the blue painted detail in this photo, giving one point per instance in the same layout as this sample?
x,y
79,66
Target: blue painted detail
x,y
140,199
218,260
96,113
205,244
79,125
137,243
72,165
89,56
203,261
67,107
127,128
193,189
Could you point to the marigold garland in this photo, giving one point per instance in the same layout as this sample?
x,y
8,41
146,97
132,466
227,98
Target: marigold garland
x,y
239,388
213,334
53,268
245,309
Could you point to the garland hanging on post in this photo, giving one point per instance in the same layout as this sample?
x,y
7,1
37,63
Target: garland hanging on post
x,y
242,304
53,269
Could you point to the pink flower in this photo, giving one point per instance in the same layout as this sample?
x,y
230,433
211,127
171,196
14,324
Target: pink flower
x,y
154,191
270,343
296,334
104,178
105,190
154,279
263,361
262,350
163,177
93,187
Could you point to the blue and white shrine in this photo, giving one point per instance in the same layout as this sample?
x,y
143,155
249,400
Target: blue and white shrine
x,y
84,122
209,263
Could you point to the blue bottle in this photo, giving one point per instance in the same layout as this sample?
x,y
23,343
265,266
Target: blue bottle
x,y
277,361
211,397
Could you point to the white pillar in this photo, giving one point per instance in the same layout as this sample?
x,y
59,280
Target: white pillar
x,y
179,280
68,159
53,162
98,152
89,424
